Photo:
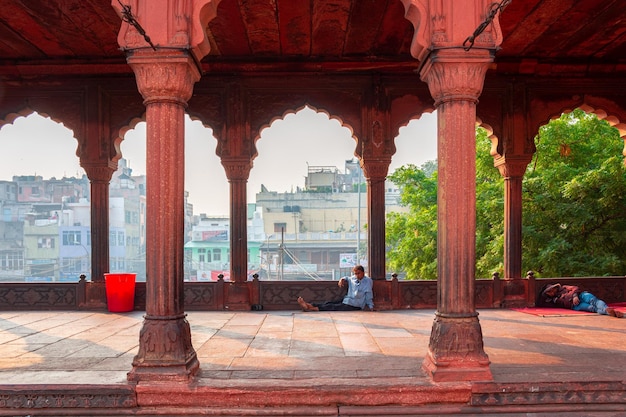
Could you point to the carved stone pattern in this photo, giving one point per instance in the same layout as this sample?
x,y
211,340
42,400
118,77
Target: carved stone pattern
x,y
288,292
199,296
43,296
374,170
165,81
419,293
456,338
98,173
173,336
377,134
584,393
237,170
181,24
483,293
455,81
46,400
439,28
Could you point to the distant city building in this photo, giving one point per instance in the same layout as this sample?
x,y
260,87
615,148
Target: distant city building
x,y
45,228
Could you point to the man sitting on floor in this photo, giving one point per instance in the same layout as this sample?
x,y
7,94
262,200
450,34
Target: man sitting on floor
x,y
571,297
359,295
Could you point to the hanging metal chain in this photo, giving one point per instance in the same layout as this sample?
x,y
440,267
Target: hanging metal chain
x,y
127,16
493,10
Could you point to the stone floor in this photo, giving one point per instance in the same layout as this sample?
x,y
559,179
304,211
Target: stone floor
x,y
295,362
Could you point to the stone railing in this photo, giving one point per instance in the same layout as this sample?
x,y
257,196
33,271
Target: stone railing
x,y
281,295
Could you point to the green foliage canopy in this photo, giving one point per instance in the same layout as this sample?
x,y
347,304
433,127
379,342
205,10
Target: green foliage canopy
x,y
574,193
574,200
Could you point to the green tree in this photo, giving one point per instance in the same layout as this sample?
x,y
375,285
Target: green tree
x,y
412,236
574,195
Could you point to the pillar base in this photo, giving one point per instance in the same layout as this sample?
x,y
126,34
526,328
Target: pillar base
x,y
165,351
455,352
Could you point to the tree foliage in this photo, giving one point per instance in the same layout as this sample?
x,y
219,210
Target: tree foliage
x,y
574,195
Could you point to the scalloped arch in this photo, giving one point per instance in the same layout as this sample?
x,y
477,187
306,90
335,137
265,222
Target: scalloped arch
x,y
409,119
132,124
601,114
296,111
492,137
117,142
27,111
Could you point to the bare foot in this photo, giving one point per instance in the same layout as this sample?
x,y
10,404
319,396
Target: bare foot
x,y
303,304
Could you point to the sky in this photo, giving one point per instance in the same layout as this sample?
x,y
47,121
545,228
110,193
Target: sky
x,y
35,145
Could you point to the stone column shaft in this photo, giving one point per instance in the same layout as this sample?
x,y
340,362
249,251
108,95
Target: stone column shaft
x,y
376,228
237,172
99,179
165,80
456,351
514,288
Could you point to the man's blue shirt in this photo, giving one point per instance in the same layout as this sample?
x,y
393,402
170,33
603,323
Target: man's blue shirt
x,y
360,293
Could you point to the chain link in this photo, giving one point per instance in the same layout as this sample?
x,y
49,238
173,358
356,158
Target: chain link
x,y
127,16
493,10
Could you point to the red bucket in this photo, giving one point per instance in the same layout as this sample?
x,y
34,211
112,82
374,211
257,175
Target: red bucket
x,y
120,288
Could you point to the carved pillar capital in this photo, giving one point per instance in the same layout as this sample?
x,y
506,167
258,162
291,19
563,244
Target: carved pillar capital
x,y
456,75
512,166
237,169
164,76
375,169
100,173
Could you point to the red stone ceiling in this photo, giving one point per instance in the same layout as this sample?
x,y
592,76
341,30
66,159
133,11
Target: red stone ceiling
x,y
60,36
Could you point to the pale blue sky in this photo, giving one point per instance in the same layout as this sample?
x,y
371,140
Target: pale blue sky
x,y
38,146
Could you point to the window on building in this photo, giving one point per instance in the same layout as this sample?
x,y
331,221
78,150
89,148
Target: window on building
x,y
201,255
279,227
217,255
120,238
10,261
71,238
45,242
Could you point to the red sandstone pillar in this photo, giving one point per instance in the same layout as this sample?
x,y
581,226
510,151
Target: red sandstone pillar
x,y
163,52
99,177
165,80
454,58
237,172
375,173
514,288
456,352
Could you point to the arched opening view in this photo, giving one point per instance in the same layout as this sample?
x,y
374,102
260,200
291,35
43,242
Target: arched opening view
x,y
44,196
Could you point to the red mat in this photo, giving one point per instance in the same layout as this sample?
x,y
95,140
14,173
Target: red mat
x,y
558,312
550,311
